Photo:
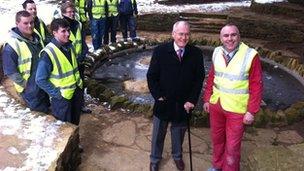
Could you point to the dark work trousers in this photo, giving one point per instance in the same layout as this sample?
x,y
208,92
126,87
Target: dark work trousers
x,y
35,98
127,22
111,25
81,69
158,137
68,110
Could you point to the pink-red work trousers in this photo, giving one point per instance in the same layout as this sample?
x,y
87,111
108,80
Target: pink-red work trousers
x,y
227,130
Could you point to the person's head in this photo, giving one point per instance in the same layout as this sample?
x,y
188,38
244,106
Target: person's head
x,y
25,23
68,9
30,6
61,30
230,37
181,33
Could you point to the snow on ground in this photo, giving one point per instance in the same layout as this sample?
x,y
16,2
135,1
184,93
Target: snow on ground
x,y
269,1
149,7
8,9
42,134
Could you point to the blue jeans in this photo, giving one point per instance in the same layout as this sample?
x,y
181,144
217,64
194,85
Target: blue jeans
x,y
111,24
158,137
128,22
97,32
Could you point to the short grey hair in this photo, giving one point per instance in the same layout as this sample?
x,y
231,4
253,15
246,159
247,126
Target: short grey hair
x,y
180,23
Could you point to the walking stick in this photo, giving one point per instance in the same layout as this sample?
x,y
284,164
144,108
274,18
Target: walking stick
x,y
189,140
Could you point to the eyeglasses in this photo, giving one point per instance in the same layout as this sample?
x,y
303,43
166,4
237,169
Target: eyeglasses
x,y
230,35
182,34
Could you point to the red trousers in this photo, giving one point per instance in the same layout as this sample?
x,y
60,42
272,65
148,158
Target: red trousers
x,y
227,130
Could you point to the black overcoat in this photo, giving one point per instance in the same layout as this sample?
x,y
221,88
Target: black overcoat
x,y
177,82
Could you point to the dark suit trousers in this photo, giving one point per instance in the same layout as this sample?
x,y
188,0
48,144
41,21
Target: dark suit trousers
x,y
158,137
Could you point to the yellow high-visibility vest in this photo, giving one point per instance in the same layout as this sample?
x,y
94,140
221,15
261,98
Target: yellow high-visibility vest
x,y
24,60
231,84
77,40
41,34
113,11
64,75
81,5
98,9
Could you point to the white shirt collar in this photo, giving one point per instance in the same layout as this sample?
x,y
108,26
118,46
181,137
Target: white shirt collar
x,y
177,48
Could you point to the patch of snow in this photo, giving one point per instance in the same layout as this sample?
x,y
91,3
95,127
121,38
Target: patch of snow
x,y
147,7
13,150
41,135
10,169
269,1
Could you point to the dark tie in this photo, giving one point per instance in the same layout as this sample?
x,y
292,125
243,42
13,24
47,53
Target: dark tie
x,y
179,53
228,57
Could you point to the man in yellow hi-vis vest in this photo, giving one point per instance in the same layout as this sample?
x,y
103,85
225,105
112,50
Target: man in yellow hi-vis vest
x,y
77,37
81,6
111,21
58,74
20,59
232,97
39,26
98,11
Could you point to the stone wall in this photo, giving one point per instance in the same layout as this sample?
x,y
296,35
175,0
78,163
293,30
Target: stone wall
x,y
301,2
35,141
286,9
268,30
32,140
157,22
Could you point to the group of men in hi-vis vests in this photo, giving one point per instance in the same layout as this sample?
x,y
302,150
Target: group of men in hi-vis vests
x,y
104,17
47,71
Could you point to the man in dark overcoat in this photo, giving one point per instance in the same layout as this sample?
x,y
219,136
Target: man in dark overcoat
x,y
175,78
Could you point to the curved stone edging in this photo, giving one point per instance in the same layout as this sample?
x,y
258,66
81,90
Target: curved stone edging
x,y
286,69
200,118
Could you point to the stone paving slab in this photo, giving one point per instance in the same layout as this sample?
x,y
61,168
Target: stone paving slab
x,y
122,142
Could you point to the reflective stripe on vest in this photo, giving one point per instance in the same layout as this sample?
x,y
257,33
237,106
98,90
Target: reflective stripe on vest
x,y
41,34
24,60
77,40
113,11
64,75
81,10
98,9
231,84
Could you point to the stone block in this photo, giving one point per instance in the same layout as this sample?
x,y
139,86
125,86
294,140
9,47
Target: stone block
x,y
35,141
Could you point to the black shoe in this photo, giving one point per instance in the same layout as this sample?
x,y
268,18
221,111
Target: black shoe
x,y
153,166
180,164
85,110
